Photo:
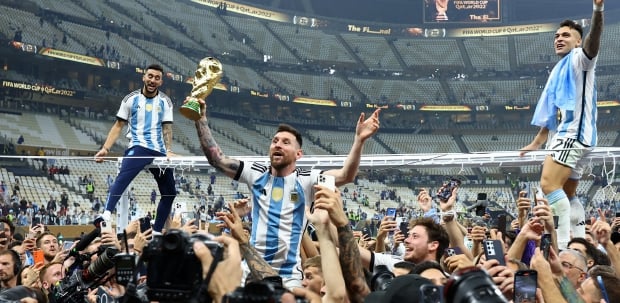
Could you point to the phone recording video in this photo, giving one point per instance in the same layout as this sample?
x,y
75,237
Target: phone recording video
x,y
446,192
525,283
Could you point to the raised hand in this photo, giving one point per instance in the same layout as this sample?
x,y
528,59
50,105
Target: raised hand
x,y
368,127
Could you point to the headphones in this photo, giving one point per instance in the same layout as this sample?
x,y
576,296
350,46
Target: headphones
x,y
17,262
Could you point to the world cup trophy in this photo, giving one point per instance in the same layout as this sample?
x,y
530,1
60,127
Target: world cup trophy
x,y
208,74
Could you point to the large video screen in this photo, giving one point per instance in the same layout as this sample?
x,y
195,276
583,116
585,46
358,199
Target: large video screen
x,y
462,11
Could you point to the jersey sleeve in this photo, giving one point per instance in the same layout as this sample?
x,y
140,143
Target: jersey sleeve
x,y
168,109
124,112
582,61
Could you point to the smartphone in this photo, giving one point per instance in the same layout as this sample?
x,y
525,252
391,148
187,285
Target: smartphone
x,y
525,283
446,192
501,224
328,181
106,226
545,245
214,229
186,216
493,250
38,256
430,293
404,228
197,220
145,224
618,215
365,232
453,251
67,245
391,212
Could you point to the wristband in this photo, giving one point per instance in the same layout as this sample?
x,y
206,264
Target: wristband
x,y
598,8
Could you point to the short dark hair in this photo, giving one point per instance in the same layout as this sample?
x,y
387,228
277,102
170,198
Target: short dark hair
x,y
592,251
9,223
155,67
435,233
410,266
426,265
573,25
289,129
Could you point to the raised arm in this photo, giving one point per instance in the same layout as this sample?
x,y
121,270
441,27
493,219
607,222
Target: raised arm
x,y
350,261
365,129
209,147
259,268
114,133
592,42
330,265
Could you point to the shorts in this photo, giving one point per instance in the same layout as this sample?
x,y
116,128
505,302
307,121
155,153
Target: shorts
x,y
571,153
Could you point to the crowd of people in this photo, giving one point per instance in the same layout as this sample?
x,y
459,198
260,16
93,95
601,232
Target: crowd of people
x,y
260,248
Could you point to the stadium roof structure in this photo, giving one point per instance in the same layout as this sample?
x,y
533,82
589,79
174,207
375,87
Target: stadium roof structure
x,y
500,158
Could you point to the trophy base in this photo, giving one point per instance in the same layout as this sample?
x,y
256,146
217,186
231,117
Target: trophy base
x,y
190,113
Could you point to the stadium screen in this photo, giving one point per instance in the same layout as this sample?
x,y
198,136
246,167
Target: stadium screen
x,y
462,11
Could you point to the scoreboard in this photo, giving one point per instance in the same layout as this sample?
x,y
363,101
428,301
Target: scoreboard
x,y
462,11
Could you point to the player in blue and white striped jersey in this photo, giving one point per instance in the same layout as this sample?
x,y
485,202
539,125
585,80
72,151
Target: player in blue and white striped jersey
x,y
281,192
570,92
148,113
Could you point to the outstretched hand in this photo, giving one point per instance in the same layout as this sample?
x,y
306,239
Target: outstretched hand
x,y
368,127
530,147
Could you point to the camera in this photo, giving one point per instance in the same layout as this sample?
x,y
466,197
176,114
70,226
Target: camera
x,y
73,287
381,278
446,192
174,271
472,285
269,290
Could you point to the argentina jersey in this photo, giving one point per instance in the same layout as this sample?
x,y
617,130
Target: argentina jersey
x,y
580,124
145,117
278,214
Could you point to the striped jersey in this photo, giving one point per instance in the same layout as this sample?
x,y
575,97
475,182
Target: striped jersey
x,y
278,214
145,117
580,124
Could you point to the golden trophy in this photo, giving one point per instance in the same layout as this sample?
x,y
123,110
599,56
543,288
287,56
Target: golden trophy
x,y
208,74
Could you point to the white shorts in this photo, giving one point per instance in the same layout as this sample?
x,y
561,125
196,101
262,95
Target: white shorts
x,y
571,153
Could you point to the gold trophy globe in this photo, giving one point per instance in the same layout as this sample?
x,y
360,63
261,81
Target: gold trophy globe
x,y
208,74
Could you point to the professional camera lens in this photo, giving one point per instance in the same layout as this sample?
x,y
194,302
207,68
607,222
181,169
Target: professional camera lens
x,y
103,263
381,278
472,285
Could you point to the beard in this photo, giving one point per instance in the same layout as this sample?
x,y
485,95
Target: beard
x,y
282,163
5,277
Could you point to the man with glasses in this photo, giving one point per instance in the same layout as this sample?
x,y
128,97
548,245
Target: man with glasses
x,y
573,266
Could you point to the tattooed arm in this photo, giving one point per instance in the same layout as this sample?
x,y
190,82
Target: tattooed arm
x,y
211,149
259,268
592,42
351,265
167,134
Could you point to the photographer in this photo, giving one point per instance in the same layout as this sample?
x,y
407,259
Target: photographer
x,y
227,275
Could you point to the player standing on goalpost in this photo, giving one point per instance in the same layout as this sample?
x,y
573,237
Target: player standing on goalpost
x,y
571,91
149,115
